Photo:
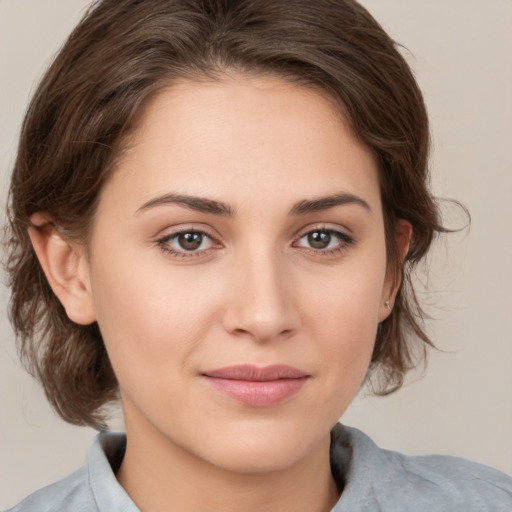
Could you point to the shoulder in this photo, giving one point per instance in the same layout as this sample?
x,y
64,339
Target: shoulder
x,y
396,482
92,488
71,493
452,482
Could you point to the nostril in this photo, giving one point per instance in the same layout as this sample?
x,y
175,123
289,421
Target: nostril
x,y
241,332
259,334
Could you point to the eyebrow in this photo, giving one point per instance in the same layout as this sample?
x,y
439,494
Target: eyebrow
x,y
204,205
199,204
324,203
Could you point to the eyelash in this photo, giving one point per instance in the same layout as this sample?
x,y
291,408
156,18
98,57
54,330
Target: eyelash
x,y
344,242
163,244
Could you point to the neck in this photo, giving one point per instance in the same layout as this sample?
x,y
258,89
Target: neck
x,y
160,476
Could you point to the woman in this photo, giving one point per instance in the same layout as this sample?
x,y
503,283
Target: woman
x,y
214,211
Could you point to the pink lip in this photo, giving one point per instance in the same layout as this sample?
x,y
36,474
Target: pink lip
x,y
257,387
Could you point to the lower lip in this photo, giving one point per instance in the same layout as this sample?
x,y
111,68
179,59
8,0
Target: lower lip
x,y
258,393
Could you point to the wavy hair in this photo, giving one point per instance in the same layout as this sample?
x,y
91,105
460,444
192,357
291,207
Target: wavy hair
x,y
121,54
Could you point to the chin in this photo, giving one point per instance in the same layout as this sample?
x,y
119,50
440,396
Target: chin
x,y
259,459
265,449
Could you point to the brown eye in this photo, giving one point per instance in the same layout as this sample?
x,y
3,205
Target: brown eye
x,y
319,239
190,241
186,243
324,241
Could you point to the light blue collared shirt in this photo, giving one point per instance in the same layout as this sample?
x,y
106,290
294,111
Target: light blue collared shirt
x,y
371,479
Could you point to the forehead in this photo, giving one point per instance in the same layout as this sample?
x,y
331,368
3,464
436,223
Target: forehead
x,y
252,135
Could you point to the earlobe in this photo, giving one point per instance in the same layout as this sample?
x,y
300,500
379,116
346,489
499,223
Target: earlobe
x,y
65,267
403,235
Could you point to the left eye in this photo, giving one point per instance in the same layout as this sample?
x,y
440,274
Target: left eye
x,y
322,239
188,241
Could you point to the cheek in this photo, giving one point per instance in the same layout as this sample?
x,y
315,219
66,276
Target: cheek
x,y
346,333
342,317
148,318
345,339
347,299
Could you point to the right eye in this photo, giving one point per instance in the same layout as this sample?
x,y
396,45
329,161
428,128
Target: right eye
x,y
186,243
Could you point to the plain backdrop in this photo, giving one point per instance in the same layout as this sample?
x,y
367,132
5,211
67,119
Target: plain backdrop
x,y
462,405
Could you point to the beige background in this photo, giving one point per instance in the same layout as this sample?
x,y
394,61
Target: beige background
x,y
460,50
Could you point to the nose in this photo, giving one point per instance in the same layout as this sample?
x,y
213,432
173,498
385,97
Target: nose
x,y
261,304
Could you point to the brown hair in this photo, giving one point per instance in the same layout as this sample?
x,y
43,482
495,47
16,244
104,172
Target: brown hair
x,y
121,54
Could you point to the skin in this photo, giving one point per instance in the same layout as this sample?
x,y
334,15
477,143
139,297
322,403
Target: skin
x,y
255,291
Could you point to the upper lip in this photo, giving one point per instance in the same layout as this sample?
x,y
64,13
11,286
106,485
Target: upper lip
x,y
255,373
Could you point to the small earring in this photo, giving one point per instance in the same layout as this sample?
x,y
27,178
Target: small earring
x,y
388,305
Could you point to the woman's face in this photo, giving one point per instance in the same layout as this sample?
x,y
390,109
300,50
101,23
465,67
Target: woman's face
x,y
237,270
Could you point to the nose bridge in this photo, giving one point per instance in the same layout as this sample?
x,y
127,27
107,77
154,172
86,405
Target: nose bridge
x,y
260,303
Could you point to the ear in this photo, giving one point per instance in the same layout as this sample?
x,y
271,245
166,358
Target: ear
x,y
403,234
65,266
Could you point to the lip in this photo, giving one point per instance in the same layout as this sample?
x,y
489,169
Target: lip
x,y
257,386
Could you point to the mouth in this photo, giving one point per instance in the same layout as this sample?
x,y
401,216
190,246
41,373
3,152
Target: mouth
x,y
257,387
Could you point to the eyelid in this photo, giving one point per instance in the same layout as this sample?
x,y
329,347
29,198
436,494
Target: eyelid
x,y
346,239
186,227
323,226
163,240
